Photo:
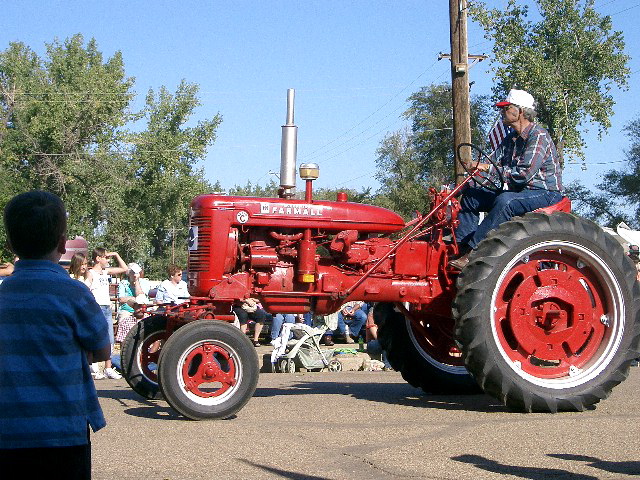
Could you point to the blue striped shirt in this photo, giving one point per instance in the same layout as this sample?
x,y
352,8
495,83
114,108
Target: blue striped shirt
x,y
48,321
529,161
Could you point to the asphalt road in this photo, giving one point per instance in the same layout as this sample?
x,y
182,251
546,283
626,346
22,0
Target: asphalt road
x,y
365,425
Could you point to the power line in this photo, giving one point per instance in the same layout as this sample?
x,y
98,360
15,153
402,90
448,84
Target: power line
x,y
368,174
348,141
625,10
94,154
313,154
581,164
604,4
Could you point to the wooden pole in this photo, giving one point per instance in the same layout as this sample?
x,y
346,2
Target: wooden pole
x,y
460,82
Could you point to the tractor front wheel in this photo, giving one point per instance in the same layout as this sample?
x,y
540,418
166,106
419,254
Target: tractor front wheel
x,y
548,313
208,370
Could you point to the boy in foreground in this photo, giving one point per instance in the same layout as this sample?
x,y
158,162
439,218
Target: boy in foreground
x,y
51,328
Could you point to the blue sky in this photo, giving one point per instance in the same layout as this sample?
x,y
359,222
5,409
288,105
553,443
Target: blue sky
x,y
353,65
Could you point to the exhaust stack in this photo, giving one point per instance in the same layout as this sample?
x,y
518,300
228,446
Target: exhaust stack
x,y
288,151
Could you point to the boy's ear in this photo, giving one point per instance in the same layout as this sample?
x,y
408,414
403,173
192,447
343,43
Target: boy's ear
x,y
61,245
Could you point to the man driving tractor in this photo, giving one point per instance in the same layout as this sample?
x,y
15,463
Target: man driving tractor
x,y
526,163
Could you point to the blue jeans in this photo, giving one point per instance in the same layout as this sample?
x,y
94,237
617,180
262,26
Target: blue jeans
x,y
355,322
106,311
308,318
501,206
278,320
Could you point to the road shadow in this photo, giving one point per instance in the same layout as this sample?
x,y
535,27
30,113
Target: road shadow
x,y
280,472
144,407
390,393
533,473
625,467
379,392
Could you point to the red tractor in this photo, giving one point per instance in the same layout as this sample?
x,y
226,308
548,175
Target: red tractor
x,y
545,317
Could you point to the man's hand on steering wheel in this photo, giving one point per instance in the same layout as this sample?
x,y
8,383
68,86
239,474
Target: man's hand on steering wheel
x,y
476,167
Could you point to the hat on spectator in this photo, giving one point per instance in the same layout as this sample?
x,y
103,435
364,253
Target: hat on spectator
x,y
517,97
135,268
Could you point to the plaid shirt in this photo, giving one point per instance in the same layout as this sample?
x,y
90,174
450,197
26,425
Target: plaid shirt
x,y
528,160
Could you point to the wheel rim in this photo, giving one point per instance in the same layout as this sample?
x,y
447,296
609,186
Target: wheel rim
x,y
557,314
148,355
439,349
209,372
335,366
287,365
291,366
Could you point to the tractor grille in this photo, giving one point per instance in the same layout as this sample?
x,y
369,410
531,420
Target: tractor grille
x,y
199,259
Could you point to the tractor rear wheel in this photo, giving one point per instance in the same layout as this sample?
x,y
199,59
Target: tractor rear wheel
x,y
435,368
139,355
208,369
548,313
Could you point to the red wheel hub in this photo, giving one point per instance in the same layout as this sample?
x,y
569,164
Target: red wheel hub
x,y
208,370
435,336
548,314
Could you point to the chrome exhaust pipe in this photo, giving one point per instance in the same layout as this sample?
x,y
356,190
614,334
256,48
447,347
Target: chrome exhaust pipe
x,y
288,151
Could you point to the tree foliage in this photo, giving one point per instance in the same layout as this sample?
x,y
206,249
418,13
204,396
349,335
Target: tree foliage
x,y
620,201
569,61
412,160
67,126
251,190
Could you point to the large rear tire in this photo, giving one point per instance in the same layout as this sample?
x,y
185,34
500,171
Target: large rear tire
x,y
208,370
548,313
139,355
433,368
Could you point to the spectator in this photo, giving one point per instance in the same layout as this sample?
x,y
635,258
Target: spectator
x,y
6,269
78,267
98,281
351,318
251,309
374,347
58,326
130,296
174,289
276,324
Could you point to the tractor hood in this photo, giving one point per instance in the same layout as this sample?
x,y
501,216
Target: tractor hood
x,y
293,213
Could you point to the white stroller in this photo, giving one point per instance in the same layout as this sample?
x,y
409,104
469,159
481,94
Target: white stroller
x,y
303,350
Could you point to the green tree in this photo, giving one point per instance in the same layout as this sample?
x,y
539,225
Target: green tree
x,y
61,121
66,126
152,218
412,160
620,201
403,185
430,114
251,190
569,61
353,195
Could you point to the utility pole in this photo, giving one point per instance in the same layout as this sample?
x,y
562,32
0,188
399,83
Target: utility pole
x,y
460,83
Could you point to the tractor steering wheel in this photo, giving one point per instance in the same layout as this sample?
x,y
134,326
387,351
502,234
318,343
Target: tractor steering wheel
x,y
490,183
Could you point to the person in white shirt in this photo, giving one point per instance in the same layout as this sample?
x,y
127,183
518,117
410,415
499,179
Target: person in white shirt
x,y
174,289
98,282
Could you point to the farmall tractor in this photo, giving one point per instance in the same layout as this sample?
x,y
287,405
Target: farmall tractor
x,y
545,317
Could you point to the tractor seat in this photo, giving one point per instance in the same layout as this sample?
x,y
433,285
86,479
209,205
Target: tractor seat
x,y
563,205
